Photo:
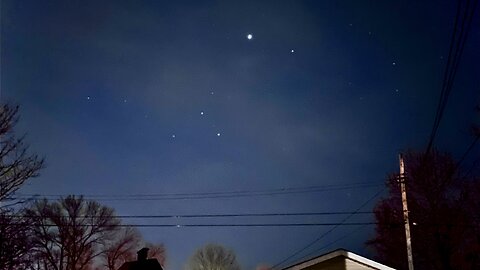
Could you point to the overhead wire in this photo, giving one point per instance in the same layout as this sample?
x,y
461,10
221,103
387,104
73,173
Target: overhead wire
x,y
179,216
311,243
317,251
465,154
452,64
446,76
211,195
206,225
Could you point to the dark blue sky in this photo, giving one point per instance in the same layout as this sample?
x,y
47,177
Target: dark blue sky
x,y
112,93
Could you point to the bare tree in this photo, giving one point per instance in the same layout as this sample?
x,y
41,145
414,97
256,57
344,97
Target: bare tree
x,y
71,232
122,249
213,257
16,167
443,208
125,246
158,252
16,164
15,242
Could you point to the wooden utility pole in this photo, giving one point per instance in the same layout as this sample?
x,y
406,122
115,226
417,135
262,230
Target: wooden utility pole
x,y
405,212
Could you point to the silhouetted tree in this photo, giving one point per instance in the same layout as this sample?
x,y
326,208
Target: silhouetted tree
x,y
16,167
127,242
16,164
443,208
122,249
158,252
69,233
213,257
15,242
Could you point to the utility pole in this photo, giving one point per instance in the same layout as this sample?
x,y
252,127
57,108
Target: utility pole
x,y
405,212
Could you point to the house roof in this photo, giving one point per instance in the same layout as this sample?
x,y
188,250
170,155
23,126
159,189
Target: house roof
x,y
336,253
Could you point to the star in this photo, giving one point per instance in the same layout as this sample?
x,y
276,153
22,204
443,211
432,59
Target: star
x,y
88,97
124,101
218,134
396,90
292,51
394,64
211,93
249,36
201,113
173,136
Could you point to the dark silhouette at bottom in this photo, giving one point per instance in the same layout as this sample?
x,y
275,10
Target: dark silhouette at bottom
x,y
142,262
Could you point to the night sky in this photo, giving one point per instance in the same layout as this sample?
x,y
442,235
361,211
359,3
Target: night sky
x,y
162,97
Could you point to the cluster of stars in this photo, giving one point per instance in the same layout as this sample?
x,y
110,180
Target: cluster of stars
x,y
173,136
202,113
249,36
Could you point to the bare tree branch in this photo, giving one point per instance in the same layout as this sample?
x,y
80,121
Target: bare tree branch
x,y
213,257
80,230
16,164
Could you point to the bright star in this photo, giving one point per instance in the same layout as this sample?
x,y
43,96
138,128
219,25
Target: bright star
x,y
201,113
292,51
249,36
88,97
218,134
173,135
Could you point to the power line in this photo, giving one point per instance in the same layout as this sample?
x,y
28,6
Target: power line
x,y
362,224
452,63
204,225
446,75
287,189
470,147
329,231
317,251
212,195
472,167
211,215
